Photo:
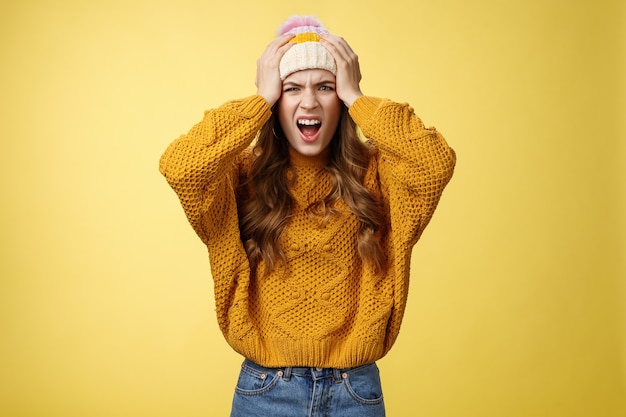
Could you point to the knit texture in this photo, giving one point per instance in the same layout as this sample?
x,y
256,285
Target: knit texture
x,y
307,51
324,307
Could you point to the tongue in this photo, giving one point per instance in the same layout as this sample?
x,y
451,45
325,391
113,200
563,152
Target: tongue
x,y
309,130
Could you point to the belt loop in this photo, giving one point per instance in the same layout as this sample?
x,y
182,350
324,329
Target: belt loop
x,y
287,373
337,375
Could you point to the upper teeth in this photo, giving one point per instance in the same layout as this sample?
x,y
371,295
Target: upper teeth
x,y
309,122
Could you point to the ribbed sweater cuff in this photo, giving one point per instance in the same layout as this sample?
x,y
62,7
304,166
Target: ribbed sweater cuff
x,y
363,109
255,107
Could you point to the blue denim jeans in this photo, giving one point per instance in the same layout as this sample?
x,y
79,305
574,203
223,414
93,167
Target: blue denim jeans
x,y
308,392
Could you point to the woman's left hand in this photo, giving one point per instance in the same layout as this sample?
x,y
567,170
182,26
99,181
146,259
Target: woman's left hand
x,y
348,71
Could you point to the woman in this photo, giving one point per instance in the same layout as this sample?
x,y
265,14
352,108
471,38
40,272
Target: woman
x,y
310,229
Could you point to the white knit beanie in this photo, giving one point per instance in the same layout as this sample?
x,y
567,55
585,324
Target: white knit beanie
x,y
308,52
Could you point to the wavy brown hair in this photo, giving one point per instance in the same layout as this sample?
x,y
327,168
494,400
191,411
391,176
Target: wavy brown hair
x,y
265,213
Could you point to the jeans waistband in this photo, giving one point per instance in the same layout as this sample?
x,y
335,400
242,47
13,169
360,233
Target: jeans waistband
x,y
312,372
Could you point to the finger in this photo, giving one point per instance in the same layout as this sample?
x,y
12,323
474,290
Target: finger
x,y
267,80
286,46
277,48
280,42
338,45
344,56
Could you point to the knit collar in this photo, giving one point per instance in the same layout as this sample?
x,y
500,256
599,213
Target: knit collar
x,y
305,161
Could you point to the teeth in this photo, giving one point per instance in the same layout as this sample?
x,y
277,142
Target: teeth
x,y
308,122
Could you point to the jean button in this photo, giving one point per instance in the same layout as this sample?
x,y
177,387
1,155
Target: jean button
x,y
318,369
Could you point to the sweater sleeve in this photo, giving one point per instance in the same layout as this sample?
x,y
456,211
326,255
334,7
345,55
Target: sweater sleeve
x,y
415,162
198,165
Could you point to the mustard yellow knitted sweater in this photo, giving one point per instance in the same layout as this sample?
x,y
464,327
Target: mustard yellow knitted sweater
x,y
324,307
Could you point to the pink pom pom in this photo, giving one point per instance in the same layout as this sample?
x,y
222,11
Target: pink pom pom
x,y
299,21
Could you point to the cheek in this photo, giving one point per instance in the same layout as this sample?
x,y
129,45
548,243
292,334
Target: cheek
x,y
284,116
334,115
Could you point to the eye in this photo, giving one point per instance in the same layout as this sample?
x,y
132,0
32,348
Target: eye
x,y
326,88
290,89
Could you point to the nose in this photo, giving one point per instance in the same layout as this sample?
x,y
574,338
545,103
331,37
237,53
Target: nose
x,y
309,99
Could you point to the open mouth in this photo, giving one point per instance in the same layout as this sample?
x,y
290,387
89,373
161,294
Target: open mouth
x,y
309,128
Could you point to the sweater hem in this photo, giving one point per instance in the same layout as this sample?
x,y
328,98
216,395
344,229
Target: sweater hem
x,y
285,352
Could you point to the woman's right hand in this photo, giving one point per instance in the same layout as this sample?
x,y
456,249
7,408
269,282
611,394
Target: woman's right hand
x,y
268,82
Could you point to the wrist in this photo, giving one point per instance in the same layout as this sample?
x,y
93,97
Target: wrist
x,y
270,98
349,99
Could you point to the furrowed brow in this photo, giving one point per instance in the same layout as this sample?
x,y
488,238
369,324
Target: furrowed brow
x,y
291,84
325,82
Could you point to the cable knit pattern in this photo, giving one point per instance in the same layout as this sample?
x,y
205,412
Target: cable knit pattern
x,y
323,307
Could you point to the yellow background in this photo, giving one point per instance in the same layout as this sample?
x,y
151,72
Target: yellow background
x,y
517,304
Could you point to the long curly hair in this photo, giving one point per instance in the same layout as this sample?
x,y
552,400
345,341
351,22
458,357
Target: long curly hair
x,y
265,214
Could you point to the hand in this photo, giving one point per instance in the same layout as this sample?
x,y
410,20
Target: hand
x,y
268,82
348,70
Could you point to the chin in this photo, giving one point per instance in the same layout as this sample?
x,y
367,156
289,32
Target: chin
x,y
308,151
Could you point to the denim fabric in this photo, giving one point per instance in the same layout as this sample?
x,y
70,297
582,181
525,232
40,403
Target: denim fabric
x,y
308,392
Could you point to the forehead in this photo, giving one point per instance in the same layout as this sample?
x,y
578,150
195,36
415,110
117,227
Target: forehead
x,y
312,76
